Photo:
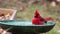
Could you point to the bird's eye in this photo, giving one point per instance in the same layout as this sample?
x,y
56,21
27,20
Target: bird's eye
x,y
35,16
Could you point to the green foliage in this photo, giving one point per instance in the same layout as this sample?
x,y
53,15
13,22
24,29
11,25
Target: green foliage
x,y
52,32
53,10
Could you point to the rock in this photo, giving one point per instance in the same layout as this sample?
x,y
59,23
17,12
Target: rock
x,y
58,0
58,31
53,4
5,32
58,18
1,30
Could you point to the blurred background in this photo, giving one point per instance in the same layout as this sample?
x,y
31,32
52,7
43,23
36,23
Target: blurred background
x,y
25,10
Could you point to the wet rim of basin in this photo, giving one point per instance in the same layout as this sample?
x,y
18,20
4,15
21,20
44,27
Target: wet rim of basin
x,y
5,22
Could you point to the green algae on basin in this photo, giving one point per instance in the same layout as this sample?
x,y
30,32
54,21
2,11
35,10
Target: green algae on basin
x,y
26,26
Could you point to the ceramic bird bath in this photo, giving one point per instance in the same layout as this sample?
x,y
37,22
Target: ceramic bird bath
x,y
26,26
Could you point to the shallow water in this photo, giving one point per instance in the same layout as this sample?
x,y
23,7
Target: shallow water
x,y
22,23
17,22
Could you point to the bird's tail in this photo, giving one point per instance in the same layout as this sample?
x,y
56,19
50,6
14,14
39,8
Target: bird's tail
x,y
49,18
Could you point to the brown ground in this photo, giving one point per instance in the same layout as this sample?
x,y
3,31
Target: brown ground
x,y
5,12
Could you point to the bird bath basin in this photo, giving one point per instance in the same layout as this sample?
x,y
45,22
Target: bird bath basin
x,y
26,26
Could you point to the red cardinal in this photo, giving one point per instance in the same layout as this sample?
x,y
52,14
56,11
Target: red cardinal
x,y
37,19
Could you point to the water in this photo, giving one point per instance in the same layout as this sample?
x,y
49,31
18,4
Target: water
x,y
23,23
49,23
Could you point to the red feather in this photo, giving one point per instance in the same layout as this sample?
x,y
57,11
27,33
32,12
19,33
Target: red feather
x,y
37,21
37,18
37,14
48,19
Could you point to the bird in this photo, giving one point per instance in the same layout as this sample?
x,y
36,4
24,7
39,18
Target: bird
x,y
38,19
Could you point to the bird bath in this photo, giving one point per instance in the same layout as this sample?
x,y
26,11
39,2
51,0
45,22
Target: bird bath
x,y
26,26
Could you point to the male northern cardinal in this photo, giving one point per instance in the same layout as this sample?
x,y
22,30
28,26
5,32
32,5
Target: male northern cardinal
x,y
38,19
